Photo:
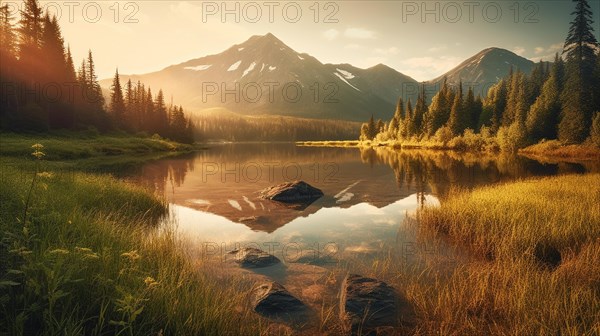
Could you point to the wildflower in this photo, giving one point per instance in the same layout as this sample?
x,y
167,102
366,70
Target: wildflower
x,y
131,255
46,175
150,282
91,256
59,251
37,151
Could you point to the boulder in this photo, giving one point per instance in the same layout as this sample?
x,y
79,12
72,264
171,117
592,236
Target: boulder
x,y
273,301
292,192
367,304
250,257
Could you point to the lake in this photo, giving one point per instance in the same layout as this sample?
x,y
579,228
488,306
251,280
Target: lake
x,y
214,196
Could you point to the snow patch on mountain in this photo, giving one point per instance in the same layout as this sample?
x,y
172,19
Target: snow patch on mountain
x,y
271,68
198,67
240,49
345,81
301,58
345,73
262,67
234,66
250,68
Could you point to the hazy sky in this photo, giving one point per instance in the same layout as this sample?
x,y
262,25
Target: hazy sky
x,y
422,39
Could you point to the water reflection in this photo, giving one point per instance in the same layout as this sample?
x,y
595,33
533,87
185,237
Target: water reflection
x,y
214,193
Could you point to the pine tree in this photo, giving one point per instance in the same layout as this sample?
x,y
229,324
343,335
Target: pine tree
x,y
161,119
94,92
30,40
8,63
371,129
70,67
542,119
117,103
394,126
409,130
456,122
8,38
130,104
420,111
471,117
148,118
439,110
514,99
53,51
495,104
577,99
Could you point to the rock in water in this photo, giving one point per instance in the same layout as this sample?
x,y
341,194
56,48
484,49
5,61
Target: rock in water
x,y
249,257
292,192
367,304
272,300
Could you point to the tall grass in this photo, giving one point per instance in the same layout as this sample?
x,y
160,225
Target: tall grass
x,y
87,260
500,288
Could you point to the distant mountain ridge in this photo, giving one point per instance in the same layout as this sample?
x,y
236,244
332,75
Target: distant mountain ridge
x,y
264,76
485,69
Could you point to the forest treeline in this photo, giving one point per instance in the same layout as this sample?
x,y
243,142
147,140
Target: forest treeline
x,y
560,101
41,89
233,127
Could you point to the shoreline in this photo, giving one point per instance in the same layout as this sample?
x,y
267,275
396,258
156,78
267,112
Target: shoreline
x,y
545,151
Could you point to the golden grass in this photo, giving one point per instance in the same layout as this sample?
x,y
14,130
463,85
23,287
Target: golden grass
x,y
555,149
512,293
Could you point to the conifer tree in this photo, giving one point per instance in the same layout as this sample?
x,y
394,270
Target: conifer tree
x,y
577,99
543,116
439,110
117,103
409,130
456,122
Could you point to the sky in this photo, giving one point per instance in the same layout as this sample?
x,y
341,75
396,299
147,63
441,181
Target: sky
x,y
422,39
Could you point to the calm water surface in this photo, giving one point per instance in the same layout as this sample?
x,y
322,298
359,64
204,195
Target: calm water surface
x,y
368,193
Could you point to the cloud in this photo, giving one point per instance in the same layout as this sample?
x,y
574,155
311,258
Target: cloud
x,y
387,52
438,48
359,33
428,67
353,46
547,54
331,34
519,50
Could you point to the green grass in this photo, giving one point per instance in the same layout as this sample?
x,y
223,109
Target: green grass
x,y
87,257
79,145
501,288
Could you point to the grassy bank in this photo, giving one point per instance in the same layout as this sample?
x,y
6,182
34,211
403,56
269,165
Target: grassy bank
x,y
505,288
80,254
555,150
82,145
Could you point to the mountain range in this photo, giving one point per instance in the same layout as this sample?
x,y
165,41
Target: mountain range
x,y
264,76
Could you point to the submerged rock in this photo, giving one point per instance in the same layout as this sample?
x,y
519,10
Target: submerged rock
x,y
272,300
547,255
292,192
249,257
367,304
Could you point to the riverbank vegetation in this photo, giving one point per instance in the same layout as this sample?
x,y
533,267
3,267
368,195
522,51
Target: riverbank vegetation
x,y
557,101
41,89
519,258
83,254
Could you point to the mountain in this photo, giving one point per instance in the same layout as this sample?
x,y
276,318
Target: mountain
x,y
263,76
485,69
